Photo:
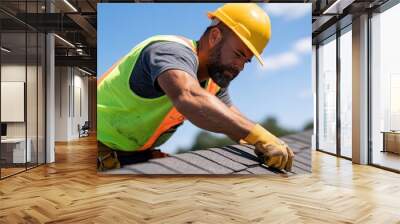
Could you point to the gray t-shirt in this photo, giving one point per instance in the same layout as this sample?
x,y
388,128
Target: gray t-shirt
x,y
158,57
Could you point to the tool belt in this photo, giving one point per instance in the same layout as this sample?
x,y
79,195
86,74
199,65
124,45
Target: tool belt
x,y
108,158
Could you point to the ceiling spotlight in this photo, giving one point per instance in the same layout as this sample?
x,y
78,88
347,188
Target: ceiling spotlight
x,y
64,40
84,71
337,7
70,5
5,50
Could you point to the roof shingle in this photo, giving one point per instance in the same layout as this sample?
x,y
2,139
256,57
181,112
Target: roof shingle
x,y
232,159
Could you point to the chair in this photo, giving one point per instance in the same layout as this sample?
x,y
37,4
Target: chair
x,y
84,130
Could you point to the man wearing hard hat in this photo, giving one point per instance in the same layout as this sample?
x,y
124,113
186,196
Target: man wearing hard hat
x,y
164,80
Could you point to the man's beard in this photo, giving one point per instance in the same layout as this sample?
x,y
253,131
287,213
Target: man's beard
x,y
216,69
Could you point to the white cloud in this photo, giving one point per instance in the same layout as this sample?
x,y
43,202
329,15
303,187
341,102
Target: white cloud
x,y
276,62
289,11
303,45
289,58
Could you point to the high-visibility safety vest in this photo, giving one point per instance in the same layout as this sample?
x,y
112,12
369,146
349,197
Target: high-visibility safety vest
x,y
128,122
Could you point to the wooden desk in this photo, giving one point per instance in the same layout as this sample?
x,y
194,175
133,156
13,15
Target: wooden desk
x,y
391,141
13,150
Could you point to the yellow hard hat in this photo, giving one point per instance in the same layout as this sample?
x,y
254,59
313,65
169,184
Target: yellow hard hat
x,y
249,22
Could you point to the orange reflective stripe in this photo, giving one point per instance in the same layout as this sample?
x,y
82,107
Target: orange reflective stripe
x,y
212,87
173,118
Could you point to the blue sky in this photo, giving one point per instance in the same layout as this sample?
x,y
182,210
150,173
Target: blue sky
x,y
282,88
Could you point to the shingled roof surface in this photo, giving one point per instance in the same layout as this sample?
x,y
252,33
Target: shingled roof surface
x,y
232,159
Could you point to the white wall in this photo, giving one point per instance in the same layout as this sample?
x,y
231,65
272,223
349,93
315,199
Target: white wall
x,y
81,88
33,126
62,81
12,73
70,83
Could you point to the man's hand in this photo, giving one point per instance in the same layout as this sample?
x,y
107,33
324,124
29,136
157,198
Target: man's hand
x,y
273,151
275,155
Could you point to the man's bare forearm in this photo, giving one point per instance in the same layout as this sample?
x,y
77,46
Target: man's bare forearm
x,y
201,107
208,112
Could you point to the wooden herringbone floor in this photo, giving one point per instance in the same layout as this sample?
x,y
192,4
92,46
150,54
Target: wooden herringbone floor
x,y
70,191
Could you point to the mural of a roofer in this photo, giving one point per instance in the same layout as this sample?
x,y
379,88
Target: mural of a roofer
x,y
204,89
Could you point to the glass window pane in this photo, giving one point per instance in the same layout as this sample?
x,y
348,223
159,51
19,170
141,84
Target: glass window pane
x,y
386,89
41,98
346,94
31,97
327,96
13,86
23,81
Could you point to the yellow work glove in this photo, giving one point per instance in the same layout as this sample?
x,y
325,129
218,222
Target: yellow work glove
x,y
271,149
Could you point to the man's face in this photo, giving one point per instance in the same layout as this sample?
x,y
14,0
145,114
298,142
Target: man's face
x,y
227,59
